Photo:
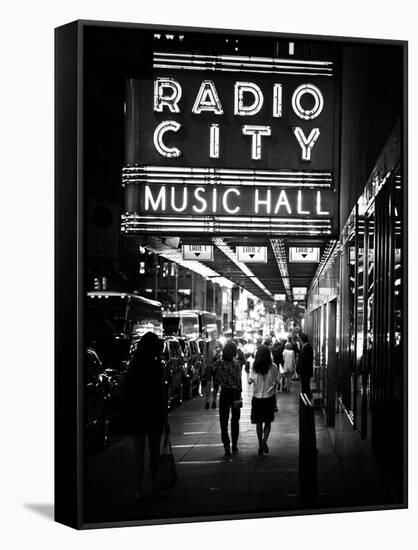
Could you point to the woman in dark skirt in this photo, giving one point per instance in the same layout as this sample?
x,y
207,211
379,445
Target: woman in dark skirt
x,y
265,377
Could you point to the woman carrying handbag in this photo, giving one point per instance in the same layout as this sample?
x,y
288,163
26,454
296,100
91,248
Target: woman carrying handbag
x,y
146,405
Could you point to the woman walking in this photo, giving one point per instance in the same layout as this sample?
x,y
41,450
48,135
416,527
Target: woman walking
x,y
229,377
289,363
146,403
265,377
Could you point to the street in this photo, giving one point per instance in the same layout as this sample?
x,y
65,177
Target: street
x,y
207,483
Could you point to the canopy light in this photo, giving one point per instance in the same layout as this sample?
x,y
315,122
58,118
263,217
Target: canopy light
x,y
175,255
279,252
221,244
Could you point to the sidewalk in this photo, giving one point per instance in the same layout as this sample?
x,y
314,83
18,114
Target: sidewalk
x,y
208,484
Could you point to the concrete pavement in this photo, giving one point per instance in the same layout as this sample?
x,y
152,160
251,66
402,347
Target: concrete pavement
x,y
208,484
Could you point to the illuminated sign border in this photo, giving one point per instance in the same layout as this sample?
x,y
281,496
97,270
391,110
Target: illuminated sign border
x,y
226,176
136,223
239,63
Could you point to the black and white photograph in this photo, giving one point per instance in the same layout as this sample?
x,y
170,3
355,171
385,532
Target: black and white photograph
x,y
208,236
241,268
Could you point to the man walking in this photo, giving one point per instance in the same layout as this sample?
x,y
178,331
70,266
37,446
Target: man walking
x,y
213,350
304,366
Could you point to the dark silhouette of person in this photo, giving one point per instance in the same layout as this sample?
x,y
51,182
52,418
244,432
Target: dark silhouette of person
x,y
229,376
304,365
277,351
146,403
295,345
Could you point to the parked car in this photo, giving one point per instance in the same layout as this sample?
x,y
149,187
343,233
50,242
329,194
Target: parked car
x,y
97,392
190,323
181,323
116,321
192,367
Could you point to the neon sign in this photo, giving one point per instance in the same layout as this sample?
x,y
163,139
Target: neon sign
x,y
234,200
266,122
168,93
210,150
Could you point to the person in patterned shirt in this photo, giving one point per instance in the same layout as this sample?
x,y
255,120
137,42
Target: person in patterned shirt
x,y
229,378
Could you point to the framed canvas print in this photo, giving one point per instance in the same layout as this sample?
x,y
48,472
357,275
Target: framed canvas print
x,y
231,274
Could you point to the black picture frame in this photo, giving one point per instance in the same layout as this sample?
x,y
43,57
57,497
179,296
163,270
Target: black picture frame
x,y
70,268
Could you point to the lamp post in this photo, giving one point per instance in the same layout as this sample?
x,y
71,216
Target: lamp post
x,y
234,289
176,290
155,277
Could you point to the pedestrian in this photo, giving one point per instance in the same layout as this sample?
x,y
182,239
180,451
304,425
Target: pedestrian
x,y
304,365
229,376
288,366
249,348
265,377
212,353
146,404
258,342
240,354
277,352
295,345
268,342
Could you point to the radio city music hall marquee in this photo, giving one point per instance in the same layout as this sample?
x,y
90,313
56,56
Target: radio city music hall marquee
x,y
230,152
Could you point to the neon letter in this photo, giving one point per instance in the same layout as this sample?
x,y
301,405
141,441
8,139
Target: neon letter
x,y
214,200
306,143
266,202
299,209
225,201
207,99
277,100
170,101
247,110
149,199
256,132
307,114
282,201
160,130
201,200
318,205
173,200
214,141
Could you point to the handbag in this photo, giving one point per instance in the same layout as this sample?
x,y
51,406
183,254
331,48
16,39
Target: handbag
x,y
166,475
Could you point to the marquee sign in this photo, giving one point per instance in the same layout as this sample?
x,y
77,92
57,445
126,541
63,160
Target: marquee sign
x,y
199,252
252,254
217,143
303,254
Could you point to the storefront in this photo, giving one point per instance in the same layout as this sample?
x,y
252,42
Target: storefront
x,y
358,357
